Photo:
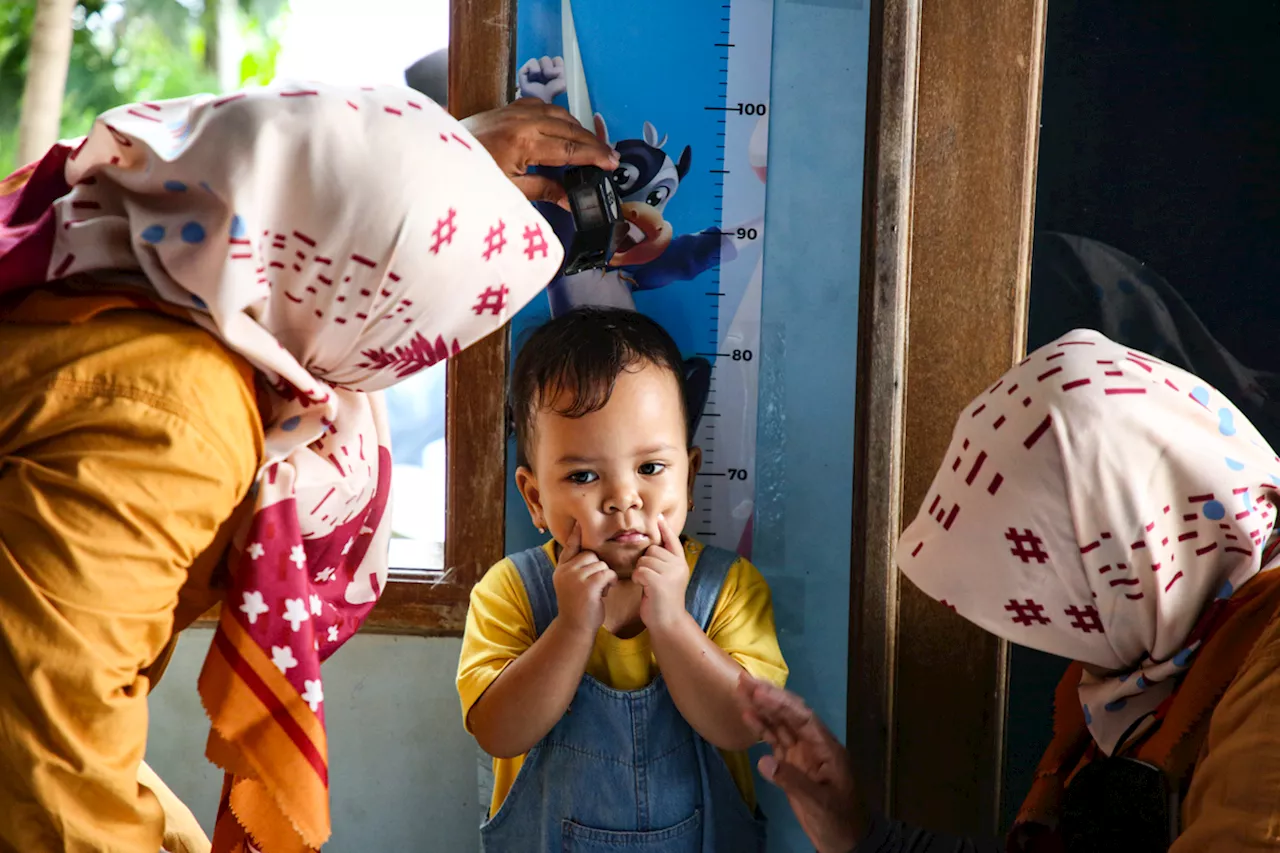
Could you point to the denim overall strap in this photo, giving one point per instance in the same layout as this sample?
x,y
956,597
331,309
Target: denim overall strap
x,y
727,823
703,592
622,771
536,573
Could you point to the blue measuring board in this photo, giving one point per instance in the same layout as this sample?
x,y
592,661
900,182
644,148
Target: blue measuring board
x,y
673,76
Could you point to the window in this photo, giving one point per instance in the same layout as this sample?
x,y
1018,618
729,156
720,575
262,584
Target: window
x,y
1154,223
380,40
467,395
448,449
416,408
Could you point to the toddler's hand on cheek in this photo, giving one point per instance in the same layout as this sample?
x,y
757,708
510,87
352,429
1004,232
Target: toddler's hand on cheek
x,y
663,572
581,580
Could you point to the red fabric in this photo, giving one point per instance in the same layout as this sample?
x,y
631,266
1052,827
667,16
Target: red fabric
x,y
27,219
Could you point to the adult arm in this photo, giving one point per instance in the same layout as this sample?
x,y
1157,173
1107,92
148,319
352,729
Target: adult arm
x,y
814,771
529,133
182,832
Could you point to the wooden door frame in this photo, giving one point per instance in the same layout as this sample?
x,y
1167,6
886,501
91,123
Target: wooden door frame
x,y
952,133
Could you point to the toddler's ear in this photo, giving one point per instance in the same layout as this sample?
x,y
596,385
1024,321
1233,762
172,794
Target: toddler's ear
x,y
695,465
527,483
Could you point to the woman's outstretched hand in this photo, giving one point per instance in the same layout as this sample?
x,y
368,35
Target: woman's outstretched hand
x,y
808,764
529,133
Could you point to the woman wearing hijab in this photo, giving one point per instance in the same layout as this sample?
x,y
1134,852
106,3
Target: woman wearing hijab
x,y
1098,504
199,303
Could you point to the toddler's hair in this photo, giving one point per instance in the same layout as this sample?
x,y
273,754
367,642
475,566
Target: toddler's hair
x,y
582,353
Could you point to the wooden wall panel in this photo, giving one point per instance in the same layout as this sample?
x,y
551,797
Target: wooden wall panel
x,y
951,162
882,327
976,137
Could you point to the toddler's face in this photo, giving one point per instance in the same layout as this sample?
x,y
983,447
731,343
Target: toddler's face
x,y
615,470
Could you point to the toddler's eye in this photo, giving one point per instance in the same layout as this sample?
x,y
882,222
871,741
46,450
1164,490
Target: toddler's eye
x,y
582,478
649,469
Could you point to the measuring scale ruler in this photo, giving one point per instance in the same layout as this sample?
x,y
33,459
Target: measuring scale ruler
x,y
682,91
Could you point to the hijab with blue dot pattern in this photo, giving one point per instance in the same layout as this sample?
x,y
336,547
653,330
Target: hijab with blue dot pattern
x,y
340,240
1093,504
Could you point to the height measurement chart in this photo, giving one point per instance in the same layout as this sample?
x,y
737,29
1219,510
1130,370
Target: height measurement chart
x,y
681,91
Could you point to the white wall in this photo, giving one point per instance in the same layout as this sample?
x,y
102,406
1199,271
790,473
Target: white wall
x,y
402,770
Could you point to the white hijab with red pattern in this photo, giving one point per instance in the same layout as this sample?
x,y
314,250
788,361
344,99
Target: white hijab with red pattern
x,y
340,240
1093,503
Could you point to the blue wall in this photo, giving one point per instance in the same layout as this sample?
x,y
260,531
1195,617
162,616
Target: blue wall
x,y
805,443
809,331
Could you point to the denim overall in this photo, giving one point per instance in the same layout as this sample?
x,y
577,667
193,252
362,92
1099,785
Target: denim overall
x,y
623,770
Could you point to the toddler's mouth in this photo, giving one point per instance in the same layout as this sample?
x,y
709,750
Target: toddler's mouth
x,y
630,536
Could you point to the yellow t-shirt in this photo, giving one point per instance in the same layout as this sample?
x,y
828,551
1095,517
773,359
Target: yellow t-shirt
x,y
500,627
